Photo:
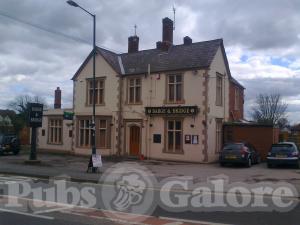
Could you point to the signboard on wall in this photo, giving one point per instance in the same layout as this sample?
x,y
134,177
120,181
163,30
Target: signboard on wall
x,y
171,110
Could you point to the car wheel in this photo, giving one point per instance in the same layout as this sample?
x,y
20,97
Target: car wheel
x,y
249,162
258,160
222,164
297,165
270,165
16,152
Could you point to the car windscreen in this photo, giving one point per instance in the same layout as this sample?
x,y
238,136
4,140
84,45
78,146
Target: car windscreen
x,y
282,148
1,138
232,147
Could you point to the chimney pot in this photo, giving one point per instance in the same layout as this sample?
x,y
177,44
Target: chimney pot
x,y
57,98
187,40
133,44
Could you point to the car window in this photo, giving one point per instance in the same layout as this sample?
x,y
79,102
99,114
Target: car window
x,y
1,138
282,148
232,147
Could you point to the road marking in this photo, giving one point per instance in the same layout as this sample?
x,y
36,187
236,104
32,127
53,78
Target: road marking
x,y
52,210
191,221
27,214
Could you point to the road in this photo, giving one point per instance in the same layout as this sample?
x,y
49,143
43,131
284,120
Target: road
x,y
38,211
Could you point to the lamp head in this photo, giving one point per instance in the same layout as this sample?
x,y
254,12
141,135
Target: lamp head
x,y
72,3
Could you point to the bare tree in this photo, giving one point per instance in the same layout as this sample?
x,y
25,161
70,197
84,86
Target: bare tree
x,y
269,109
20,105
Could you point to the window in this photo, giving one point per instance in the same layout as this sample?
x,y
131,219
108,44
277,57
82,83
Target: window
x,y
236,99
85,133
55,131
99,91
134,91
174,136
219,89
175,88
102,133
219,123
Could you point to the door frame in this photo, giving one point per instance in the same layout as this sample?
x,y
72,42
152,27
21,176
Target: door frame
x,y
127,124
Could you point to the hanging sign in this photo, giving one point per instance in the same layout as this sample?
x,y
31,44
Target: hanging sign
x,y
35,114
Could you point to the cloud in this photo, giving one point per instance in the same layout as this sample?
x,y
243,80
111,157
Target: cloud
x,y
44,42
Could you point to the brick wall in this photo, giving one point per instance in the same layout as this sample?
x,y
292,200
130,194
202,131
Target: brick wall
x,y
234,114
260,136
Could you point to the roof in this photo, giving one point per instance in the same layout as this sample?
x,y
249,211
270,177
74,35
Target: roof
x,y
197,55
236,82
7,112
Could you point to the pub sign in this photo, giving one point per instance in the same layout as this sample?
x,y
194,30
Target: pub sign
x,y
35,114
171,110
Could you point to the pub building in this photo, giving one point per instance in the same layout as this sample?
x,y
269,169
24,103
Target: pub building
x,y
166,103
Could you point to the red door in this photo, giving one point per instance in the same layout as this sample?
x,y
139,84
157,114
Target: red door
x,y
134,144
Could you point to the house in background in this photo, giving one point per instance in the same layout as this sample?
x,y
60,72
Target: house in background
x,y
6,117
165,103
236,100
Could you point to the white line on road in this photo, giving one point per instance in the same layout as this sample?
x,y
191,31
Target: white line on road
x,y
52,210
27,214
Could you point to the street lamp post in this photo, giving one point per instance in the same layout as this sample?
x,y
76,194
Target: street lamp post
x,y
72,3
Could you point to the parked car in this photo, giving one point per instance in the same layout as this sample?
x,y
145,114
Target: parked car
x,y
9,143
239,153
283,153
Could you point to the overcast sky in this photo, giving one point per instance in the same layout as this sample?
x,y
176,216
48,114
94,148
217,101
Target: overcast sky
x,y
42,42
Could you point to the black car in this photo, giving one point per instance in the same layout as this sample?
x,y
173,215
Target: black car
x,y
284,153
9,143
239,153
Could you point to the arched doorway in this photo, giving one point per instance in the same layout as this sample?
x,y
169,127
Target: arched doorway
x,y
134,143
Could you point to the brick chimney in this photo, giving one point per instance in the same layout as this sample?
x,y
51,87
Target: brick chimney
x,y
133,44
57,98
167,33
187,40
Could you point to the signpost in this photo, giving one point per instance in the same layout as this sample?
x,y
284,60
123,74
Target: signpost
x,y
34,121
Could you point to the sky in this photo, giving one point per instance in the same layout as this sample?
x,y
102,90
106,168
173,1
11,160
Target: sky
x,y
43,43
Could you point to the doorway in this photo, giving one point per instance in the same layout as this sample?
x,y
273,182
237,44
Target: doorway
x,y
134,141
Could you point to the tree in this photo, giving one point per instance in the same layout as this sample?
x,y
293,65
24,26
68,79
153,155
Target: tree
x,y
21,105
269,109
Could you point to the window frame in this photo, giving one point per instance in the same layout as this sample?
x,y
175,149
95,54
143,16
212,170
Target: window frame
x,y
98,88
219,89
219,134
135,86
55,127
167,130
168,83
108,120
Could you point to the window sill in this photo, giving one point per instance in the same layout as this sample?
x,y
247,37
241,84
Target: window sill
x,y
91,105
181,152
138,103
54,143
174,103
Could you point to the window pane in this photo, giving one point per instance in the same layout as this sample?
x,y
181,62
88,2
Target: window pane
x,y
131,82
81,137
90,96
102,123
178,140
101,96
171,92
178,125
170,125
178,92
170,140
102,138
178,78
131,95
171,79
87,137
137,94
96,96
101,84
138,82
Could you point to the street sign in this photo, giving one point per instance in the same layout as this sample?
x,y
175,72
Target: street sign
x,y
35,114
68,115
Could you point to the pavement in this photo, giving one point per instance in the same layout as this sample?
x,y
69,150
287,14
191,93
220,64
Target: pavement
x,y
74,167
